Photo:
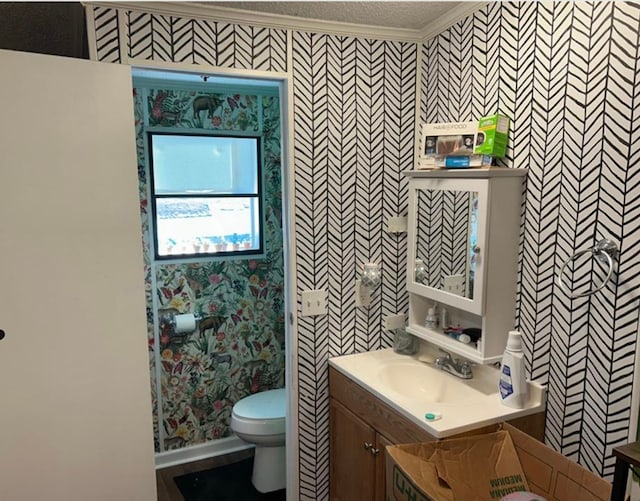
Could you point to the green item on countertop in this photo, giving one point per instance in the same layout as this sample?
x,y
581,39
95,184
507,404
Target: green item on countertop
x,y
492,136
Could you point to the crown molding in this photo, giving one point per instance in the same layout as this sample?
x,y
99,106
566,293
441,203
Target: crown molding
x,y
450,18
266,20
278,21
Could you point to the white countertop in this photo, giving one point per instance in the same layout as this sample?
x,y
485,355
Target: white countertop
x,y
414,388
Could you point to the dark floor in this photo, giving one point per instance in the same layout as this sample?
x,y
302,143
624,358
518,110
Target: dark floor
x,y
223,478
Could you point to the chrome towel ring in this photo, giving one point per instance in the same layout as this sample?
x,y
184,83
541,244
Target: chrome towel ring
x,y
605,251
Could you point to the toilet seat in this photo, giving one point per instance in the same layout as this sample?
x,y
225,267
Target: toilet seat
x,y
260,414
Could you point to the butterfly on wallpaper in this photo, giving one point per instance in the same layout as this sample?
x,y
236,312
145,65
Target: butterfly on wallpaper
x,y
233,104
156,111
257,293
178,368
236,319
172,422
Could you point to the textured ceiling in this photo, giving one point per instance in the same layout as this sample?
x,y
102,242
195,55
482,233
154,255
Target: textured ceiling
x,y
408,15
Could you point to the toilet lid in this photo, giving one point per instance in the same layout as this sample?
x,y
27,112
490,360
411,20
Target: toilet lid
x,y
264,405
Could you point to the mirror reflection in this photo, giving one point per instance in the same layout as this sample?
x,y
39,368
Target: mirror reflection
x,y
446,236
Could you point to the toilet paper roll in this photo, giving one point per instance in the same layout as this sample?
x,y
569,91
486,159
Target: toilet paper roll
x,y
185,323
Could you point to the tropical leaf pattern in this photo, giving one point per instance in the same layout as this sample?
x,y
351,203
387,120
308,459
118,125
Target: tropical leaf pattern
x,y
203,373
198,110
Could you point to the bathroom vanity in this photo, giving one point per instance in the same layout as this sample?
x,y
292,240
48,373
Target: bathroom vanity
x,y
380,398
463,236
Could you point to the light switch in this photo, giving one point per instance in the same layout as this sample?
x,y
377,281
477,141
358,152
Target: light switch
x,y
397,224
314,303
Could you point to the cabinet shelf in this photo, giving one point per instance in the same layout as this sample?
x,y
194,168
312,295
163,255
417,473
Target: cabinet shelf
x,y
477,173
439,338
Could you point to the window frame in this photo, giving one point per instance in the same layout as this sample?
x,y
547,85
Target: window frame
x,y
152,197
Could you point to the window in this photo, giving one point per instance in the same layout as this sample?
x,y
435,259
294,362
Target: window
x,y
205,195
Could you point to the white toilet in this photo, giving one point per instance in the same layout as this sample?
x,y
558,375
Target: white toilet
x,y
260,419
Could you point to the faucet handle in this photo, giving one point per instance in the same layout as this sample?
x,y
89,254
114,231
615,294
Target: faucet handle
x,y
465,368
445,353
444,360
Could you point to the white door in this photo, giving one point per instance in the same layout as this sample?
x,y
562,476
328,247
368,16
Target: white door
x,y
75,410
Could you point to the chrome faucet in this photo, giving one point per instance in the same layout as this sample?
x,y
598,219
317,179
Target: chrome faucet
x,y
458,367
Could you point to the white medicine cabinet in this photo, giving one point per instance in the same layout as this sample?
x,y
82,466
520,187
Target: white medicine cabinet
x,y
464,228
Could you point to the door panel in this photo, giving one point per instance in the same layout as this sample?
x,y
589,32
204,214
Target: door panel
x,y
352,464
381,471
76,420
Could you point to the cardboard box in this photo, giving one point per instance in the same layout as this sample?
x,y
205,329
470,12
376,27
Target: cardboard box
x,y
483,467
554,476
492,136
487,467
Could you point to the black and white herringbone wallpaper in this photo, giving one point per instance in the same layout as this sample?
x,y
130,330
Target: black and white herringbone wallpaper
x,y
568,73
354,106
157,37
106,30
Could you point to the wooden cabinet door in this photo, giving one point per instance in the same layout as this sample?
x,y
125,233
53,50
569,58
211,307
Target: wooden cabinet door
x,y
381,471
353,466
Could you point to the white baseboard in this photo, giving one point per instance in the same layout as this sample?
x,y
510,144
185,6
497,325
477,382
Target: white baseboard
x,y
203,451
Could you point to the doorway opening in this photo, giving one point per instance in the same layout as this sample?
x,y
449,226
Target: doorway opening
x,y
240,342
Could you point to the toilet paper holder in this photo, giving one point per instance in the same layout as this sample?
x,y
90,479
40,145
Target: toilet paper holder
x,y
168,320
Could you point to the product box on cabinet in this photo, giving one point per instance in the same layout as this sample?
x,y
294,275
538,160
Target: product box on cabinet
x,y
487,467
492,135
450,145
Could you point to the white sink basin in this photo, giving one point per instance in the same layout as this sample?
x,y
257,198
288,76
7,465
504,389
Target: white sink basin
x,y
415,388
429,384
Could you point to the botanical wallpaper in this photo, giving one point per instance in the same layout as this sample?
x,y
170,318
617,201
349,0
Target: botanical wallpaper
x,y
238,348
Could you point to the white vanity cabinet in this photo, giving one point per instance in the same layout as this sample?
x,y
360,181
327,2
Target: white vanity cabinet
x,y
464,229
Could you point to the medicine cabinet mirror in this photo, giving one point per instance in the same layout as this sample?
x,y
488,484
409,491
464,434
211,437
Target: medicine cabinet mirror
x,y
447,240
446,251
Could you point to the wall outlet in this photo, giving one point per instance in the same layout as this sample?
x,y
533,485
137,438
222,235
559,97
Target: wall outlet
x,y
392,322
314,303
363,295
454,284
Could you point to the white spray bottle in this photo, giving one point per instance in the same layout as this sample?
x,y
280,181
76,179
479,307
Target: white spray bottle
x,y
513,384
